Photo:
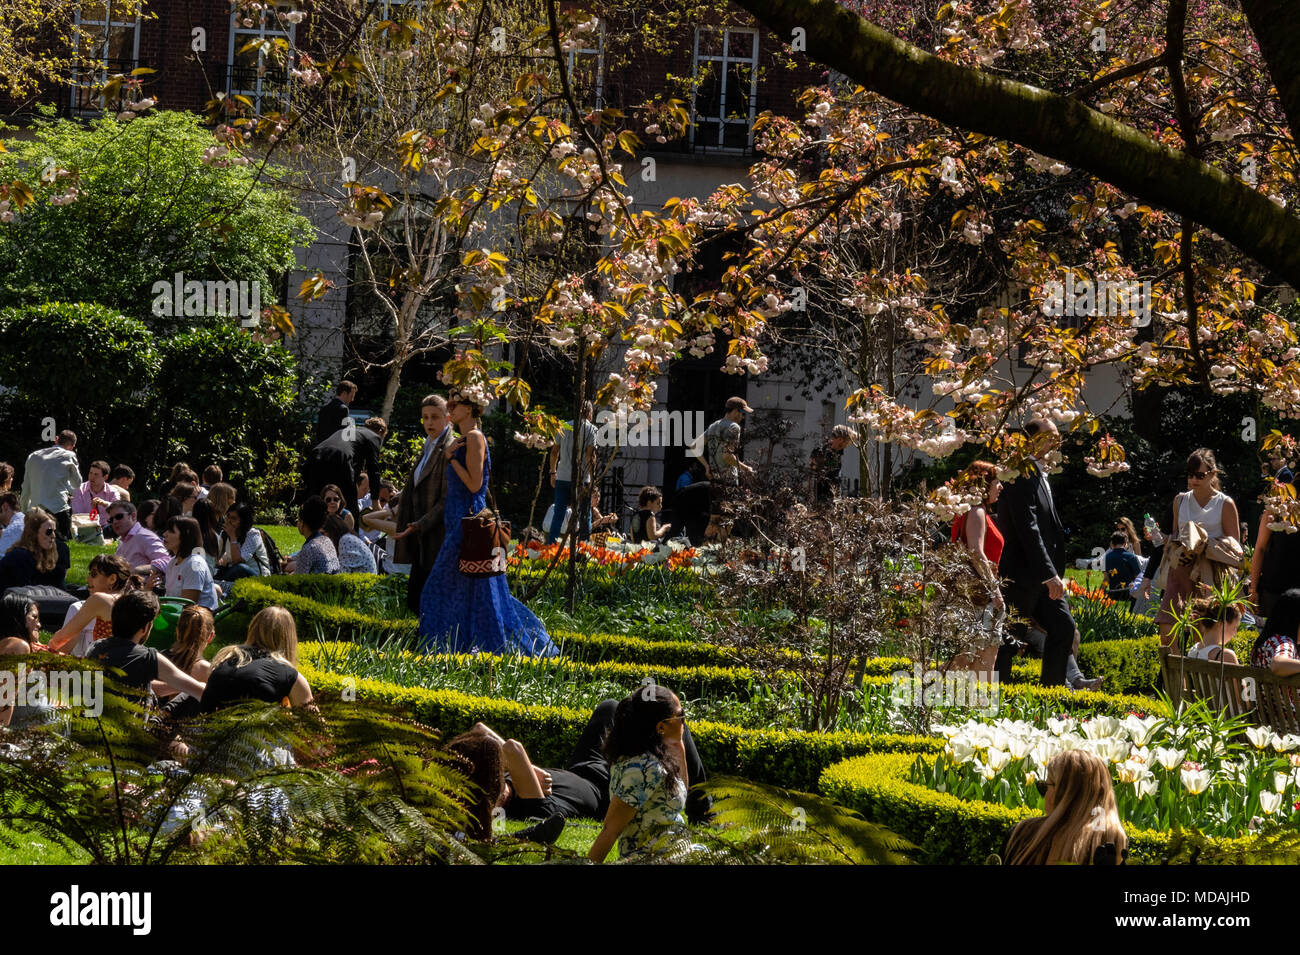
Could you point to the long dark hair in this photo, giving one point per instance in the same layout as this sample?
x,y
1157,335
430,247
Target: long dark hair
x,y
478,756
1283,620
189,539
148,509
204,516
244,514
635,730
13,616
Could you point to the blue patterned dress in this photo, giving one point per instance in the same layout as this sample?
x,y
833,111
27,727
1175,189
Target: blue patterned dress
x,y
463,614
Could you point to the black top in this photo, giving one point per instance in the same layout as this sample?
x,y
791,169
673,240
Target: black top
x,y
139,664
639,522
572,795
1281,565
18,568
263,678
333,417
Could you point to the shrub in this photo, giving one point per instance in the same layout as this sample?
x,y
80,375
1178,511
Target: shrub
x,y
788,758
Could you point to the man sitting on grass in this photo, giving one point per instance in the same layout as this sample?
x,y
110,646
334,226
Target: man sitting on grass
x,y
127,660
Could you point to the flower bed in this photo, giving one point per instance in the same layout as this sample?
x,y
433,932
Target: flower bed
x,y
1198,770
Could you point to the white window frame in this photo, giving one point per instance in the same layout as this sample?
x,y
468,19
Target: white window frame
x,y
86,82
268,27
723,62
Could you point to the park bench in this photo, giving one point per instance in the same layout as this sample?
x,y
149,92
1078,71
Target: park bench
x,y
1268,699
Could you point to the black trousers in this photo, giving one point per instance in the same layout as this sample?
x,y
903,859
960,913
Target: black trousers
x,y
415,585
588,762
63,524
1054,617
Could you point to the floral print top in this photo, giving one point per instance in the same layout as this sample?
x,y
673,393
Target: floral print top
x,y
1277,645
641,782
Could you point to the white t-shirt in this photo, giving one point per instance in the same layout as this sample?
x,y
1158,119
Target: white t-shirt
x,y
564,463
192,573
12,532
87,636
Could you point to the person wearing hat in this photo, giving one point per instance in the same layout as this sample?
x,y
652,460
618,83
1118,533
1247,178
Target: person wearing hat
x,y
722,466
824,465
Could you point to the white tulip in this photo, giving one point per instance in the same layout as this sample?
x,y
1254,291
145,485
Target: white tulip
x,y
1169,758
1196,781
1145,787
1260,736
1270,802
998,758
1100,727
1281,781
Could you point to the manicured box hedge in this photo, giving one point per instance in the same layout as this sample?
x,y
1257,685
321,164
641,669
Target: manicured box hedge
x,y
948,830
787,758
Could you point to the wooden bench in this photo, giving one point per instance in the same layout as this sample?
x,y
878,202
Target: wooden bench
x,y
1268,699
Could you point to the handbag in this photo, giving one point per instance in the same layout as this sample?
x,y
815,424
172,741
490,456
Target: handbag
x,y
484,538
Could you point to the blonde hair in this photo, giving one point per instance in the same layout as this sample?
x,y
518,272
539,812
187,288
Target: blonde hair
x,y
1083,818
221,497
272,630
30,540
844,432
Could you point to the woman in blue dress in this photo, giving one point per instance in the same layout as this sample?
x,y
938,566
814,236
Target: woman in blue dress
x,y
465,614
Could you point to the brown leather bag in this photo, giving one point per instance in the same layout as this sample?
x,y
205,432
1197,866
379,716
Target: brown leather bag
x,y
484,543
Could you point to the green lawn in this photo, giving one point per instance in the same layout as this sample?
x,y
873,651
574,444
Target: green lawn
x,y
286,538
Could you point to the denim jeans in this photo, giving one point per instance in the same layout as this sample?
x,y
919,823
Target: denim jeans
x,y
563,489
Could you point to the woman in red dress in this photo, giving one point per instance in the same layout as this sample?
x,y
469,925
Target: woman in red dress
x,y
977,531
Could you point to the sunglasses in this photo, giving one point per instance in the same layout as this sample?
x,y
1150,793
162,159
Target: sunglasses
x,y
1042,785
1199,475
333,500
116,517
48,531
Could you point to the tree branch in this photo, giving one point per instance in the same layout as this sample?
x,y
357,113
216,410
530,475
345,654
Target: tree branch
x,y
1051,124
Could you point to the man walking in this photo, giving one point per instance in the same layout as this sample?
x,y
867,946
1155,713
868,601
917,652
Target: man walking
x,y
343,457
722,464
420,508
1033,559
51,477
562,477
334,414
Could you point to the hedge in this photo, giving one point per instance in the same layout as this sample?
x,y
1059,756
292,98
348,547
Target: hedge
x,y
1133,666
706,682
787,758
948,830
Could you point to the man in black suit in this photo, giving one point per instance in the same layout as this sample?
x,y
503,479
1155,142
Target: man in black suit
x,y
419,510
1033,560
335,413
343,457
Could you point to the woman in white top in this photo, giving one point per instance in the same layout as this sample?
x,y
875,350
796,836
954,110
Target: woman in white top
x,y
1203,503
1217,626
187,574
243,551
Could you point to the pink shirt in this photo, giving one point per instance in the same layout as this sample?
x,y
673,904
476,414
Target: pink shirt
x,y
143,546
83,501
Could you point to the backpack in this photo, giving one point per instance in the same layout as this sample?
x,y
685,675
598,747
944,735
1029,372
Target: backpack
x,y
272,552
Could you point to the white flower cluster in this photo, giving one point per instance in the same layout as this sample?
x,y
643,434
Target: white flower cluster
x,y
1040,163
947,504
538,442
